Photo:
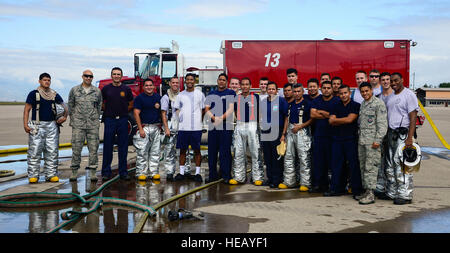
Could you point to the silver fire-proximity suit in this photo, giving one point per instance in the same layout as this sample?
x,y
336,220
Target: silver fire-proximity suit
x,y
147,150
297,144
170,142
398,184
246,134
43,138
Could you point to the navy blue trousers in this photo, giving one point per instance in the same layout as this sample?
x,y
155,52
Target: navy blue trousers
x,y
219,143
115,127
345,149
274,167
321,161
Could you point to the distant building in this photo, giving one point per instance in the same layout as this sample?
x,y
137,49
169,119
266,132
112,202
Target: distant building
x,y
434,96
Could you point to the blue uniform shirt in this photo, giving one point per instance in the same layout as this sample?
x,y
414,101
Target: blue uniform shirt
x,y
279,107
322,127
302,109
45,108
116,100
242,108
150,107
309,99
341,111
226,98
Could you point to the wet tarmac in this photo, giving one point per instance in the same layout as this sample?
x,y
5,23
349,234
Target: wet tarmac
x,y
438,152
7,161
113,219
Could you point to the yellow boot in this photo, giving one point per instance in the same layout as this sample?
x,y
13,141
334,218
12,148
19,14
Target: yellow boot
x,y
304,188
233,182
282,186
258,183
54,179
142,178
33,180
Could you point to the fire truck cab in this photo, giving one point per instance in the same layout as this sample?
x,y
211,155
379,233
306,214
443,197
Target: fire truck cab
x,y
159,66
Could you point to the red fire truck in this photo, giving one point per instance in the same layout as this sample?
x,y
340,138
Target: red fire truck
x,y
271,58
159,66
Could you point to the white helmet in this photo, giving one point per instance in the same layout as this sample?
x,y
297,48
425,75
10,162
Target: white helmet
x,y
409,157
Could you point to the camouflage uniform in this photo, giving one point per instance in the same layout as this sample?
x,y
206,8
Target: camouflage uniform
x,y
84,112
372,128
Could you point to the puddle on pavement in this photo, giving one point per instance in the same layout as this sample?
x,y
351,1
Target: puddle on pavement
x,y
20,167
436,221
442,153
113,219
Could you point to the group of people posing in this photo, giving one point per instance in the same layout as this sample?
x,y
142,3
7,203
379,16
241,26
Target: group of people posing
x,y
337,141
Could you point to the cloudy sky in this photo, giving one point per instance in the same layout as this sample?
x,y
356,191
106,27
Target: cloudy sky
x,y
64,37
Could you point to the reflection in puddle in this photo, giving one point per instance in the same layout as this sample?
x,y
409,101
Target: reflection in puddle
x,y
439,152
114,219
436,222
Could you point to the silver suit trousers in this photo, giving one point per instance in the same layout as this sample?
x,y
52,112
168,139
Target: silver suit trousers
x,y
297,145
398,184
246,134
44,138
169,153
147,150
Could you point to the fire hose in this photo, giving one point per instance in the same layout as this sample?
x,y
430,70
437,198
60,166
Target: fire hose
x,y
15,201
436,131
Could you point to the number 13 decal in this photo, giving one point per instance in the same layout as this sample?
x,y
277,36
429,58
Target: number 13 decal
x,y
275,59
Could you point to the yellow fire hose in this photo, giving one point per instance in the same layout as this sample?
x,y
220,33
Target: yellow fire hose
x,y
25,149
63,145
436,131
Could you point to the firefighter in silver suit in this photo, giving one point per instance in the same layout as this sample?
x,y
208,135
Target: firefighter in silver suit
x,y
402,110
298,142
246,133
170,126
48,111
147,112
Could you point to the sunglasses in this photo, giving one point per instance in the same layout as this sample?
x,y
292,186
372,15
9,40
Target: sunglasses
x,y
88,76
374,76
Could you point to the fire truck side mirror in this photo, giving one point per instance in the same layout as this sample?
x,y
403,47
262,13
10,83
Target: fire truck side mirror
x,y
136,65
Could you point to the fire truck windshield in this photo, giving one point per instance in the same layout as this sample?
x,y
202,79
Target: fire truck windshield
x,y
150,66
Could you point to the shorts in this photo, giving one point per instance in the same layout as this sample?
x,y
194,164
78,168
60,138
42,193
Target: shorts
x,y
186,138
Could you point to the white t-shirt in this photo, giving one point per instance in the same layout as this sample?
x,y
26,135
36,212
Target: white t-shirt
x,y
190,105
386,98
399,106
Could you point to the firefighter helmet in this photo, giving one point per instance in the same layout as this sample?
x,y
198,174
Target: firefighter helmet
x,y
409,157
